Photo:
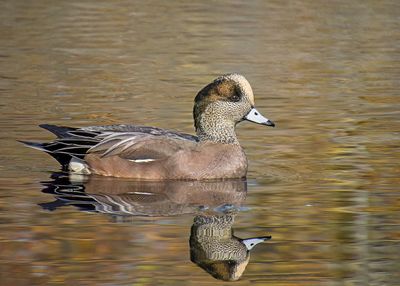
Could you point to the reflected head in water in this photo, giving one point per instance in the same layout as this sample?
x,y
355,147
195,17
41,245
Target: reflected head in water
x,y
214,248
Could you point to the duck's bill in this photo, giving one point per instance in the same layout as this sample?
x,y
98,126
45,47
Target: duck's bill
x,y
255,116
251,242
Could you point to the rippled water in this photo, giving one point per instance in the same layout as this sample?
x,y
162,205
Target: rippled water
x,y
324,183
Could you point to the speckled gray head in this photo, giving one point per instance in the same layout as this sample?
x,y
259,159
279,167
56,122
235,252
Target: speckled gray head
x,y
223,103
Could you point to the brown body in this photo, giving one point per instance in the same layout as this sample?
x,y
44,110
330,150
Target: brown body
x,y
194,161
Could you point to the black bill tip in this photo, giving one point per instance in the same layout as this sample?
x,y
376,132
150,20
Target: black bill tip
x,y
269,123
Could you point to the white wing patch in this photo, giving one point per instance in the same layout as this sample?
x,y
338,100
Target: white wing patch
x,y
141,193
142,160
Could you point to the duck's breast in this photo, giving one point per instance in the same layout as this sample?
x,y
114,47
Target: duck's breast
x,y
209,161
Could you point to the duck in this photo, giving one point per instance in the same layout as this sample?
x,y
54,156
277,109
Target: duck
x,y
151,153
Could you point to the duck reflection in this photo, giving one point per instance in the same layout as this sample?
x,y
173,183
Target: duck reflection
x,y
214,248
123,197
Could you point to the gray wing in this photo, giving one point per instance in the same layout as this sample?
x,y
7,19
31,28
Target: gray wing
x,y
76,142
140,146
139,129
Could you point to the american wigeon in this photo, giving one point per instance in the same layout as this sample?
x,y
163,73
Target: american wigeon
x,y
149,153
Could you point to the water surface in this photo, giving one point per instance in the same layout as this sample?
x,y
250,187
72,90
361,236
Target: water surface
x,y
324,183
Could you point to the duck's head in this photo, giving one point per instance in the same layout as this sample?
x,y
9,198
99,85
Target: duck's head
x,y
214,248
223,103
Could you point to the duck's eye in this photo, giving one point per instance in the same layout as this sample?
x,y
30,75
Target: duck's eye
x,y
235,97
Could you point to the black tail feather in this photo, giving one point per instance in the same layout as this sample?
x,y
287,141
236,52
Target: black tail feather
x,y
62,158
59,131
34,145
67,145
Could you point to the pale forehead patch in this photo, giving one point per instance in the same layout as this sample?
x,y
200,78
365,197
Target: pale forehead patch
x,y
242,82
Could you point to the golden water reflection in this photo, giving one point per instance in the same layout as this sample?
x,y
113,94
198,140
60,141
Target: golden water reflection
x,y
128,197
213,246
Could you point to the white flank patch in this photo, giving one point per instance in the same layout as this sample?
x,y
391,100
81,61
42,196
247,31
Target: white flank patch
x,y
78,166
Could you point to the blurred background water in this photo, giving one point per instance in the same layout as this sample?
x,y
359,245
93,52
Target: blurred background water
x,y
324,183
